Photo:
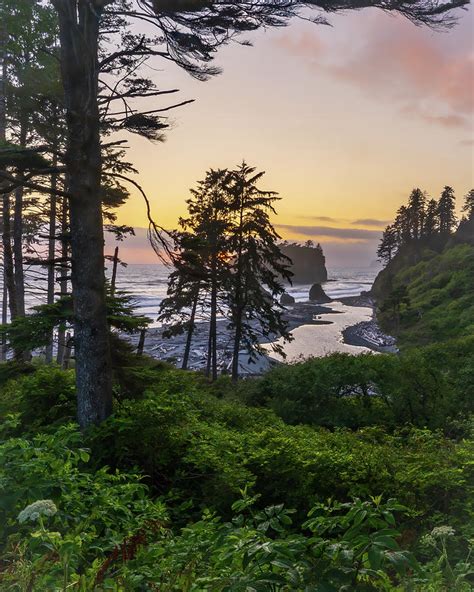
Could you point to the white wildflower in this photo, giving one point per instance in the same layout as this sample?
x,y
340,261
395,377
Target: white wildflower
x,y
428,541
36,509
441,532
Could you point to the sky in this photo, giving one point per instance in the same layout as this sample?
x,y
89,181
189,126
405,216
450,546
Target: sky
x,y
344,119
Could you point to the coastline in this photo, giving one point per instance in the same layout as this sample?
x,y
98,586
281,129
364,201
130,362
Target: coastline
x,y
345,325
368,333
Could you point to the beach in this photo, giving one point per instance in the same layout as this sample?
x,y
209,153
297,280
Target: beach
x,y
345,326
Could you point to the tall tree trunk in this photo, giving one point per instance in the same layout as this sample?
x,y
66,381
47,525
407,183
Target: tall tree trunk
x,y
209,352
189,337
213,323
238,305
18,252
18,235
114,270
79,32
141,342
3,350
63,273
3,132
52,255
9,272
236,347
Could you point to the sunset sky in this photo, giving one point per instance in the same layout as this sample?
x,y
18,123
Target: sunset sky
x,y
345,120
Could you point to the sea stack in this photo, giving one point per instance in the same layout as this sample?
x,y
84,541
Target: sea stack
x,y
317,294
308,264
286,299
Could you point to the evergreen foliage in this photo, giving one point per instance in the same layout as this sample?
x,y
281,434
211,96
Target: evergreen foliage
x,y
228,257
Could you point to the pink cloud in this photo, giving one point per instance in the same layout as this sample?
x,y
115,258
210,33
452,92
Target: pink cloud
x,y
425,73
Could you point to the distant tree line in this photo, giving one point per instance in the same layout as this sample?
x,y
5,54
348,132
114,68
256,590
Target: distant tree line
x,y
228,262
309,244
423,218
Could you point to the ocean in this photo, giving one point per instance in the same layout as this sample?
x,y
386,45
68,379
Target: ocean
x,y
148,284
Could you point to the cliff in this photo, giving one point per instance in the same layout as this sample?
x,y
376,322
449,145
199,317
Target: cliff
x,y
308,263
425,294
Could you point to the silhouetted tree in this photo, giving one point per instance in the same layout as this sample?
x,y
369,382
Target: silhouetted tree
x,y
468,206
209,222
447,210
431,225
388,245
258,266
185,288
402,225
416,213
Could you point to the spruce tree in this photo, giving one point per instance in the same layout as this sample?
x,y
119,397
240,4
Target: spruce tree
x,y
402,225
447,210
468,207
258,266
185,288
209,222
388,244
416,213
431,225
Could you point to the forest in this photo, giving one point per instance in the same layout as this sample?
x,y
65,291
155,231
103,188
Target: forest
x,y
119,471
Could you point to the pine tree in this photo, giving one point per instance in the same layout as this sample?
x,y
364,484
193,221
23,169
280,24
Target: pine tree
x,y
185,288
416,213
468,206
209,222
258,266
431,225
446,210
402,225
388,245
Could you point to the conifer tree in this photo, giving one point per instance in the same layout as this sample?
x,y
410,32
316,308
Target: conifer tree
x,y
468,207
431,225
416,213
402,225
388,244
258,266
185,288
447,210
209,222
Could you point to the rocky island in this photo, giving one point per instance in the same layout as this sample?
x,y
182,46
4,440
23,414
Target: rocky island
x,y
308,262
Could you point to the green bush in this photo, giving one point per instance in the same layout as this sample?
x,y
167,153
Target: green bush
x,y
429,387
194,446
46,397
59,522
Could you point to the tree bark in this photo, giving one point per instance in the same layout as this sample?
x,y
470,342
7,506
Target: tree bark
x,y
51,256
18,252
3,132
18,235
141,342
189,337
63,282
79,32
238,307
8,270
114,270
3,350
213,323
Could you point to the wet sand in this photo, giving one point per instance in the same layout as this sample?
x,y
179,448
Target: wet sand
x,y
346,326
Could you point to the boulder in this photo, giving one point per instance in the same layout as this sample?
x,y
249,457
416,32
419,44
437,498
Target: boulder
x,y
286,299
317,294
